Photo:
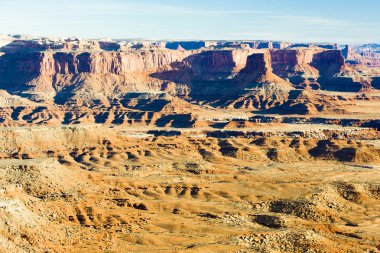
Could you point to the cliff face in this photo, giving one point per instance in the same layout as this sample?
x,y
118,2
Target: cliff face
x,y
212,65
23,65
328,62
217,65
292,57
335,75
237,79
294,64
367,55
19,68
222,74
85,73
307,67
120,84
98,75
258,68
119,63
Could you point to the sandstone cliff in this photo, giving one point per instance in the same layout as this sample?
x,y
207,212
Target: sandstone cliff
x,y
294,64
87,74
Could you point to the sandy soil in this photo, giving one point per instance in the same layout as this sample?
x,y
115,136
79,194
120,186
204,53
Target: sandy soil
x,y
109,193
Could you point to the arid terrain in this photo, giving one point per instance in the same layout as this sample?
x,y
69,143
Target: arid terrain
x,y
188,146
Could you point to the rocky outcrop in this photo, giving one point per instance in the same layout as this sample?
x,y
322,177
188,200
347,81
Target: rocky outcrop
x,y
258,65
307,67
239,75
310,102
328,62
217,64
229,76
46,73
292,57
119,63
313,68
367,55
259,70
335,75
260,88
294,64
350,55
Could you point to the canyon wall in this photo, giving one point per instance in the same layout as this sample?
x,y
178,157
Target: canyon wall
x,y
119,63
63,75
219,64
328,62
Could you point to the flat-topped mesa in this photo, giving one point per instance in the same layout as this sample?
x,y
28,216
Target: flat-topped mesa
x,y
258,66
259,70
329,62
89,76
119,63
336,75
307,67
287,61
218,64
93,75
292,57
257,87
294,64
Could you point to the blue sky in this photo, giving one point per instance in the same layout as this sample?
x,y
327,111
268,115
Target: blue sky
x,y
342,21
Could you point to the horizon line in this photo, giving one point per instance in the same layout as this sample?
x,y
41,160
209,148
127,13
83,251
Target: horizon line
x,y
179,39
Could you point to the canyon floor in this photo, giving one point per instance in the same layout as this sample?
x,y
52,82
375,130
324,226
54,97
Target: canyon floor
x,y
96,188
